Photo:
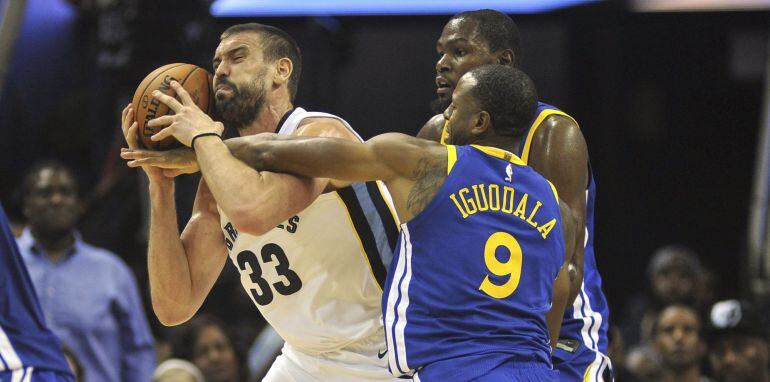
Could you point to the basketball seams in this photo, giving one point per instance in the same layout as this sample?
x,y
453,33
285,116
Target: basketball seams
x,y
144,103
147,86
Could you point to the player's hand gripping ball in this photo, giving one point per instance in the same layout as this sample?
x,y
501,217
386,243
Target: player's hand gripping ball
x,y
195,80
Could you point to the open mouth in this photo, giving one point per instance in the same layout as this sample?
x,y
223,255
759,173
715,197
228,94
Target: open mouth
x,y
443,86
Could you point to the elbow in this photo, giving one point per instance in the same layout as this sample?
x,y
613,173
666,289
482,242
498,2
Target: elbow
x,y
248,222
167,315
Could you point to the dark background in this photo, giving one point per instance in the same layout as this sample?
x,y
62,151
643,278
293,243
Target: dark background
x,y
669,105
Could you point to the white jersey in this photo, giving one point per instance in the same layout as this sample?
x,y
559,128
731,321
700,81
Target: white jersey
x,y
317,277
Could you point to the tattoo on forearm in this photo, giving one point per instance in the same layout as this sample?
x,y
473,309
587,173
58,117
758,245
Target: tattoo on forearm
x,y
429,175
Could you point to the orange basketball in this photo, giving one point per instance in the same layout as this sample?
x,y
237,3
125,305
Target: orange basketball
x,y
197,82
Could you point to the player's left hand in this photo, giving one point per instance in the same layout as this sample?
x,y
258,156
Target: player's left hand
x,y
188,120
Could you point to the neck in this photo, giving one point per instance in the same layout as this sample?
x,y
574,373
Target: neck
x,y
507,143
268,117
55,245
691,374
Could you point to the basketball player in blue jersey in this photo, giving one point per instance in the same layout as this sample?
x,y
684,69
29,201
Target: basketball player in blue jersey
x,y
554,146
29,351
479,280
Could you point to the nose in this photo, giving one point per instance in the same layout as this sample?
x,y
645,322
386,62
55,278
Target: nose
x,y
223,70
442,65
730,356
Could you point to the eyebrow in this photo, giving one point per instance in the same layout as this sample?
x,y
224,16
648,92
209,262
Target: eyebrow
x,y
452,41
229,52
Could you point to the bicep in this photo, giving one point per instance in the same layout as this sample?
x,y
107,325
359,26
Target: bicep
x,y
560,154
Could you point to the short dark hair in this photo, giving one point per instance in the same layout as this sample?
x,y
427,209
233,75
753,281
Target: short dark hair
x,y
658,315
184,337
508,95
498,30
276,44
30,176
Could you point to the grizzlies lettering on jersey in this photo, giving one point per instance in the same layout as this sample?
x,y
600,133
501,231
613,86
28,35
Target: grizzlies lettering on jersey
x,y
29,351
473,276
317,277
580,354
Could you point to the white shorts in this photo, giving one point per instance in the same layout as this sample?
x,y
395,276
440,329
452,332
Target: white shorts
x,y
352,364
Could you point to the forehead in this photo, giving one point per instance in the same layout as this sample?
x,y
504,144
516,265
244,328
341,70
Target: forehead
x,y
464,86
678,316
249,40
461,29
48,175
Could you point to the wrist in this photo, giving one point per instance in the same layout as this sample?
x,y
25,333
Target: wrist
x,y
210,136
161,188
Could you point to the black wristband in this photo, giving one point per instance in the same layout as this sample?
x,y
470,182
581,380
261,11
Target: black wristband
x,y
192,143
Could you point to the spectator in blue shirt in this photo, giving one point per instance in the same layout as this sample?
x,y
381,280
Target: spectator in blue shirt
x,y
88,295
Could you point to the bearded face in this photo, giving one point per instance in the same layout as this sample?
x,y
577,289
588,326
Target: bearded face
x,y
237,105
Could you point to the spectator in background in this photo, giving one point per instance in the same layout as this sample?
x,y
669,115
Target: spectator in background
x,y
678,341
738,343
203,342
675,276
88,295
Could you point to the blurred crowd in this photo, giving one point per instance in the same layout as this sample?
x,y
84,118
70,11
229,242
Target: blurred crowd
x,y
671,330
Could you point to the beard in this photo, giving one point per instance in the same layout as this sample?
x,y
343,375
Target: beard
x,y
439,104
243,107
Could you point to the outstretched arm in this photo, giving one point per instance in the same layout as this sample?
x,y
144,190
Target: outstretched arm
x,y
412,168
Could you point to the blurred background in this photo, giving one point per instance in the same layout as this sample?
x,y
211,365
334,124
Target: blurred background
x,y
671,97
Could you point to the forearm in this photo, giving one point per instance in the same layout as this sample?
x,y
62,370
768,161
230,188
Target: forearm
x,y
254,201
167,264
561,289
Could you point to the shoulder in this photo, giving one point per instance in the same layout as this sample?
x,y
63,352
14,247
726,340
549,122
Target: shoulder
x,y
104,258
558,133
558,125
327,125
432,129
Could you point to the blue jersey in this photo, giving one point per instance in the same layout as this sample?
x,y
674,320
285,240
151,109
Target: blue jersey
x,y
26,344
472,277
583,346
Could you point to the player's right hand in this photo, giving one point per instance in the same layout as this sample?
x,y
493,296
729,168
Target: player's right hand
x,y
130,127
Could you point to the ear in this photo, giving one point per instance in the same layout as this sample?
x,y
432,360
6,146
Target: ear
x,y
283,69
506,57
482,123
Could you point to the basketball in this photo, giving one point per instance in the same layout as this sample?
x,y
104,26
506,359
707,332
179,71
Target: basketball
x,y
197,82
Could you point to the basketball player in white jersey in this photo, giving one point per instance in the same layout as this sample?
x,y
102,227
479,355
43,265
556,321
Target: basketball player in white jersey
x,y
311,252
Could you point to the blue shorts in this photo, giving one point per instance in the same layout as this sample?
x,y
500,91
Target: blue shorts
x,y
582,364
31,374
494,369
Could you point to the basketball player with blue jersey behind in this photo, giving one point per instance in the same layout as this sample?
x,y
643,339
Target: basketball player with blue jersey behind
x,y
29,351
554,146
479,280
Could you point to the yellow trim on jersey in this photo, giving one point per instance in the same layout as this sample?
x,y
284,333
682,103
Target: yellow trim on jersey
x,y
500,153
360,242
555,193
538,121
451,158
585,375
444,134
